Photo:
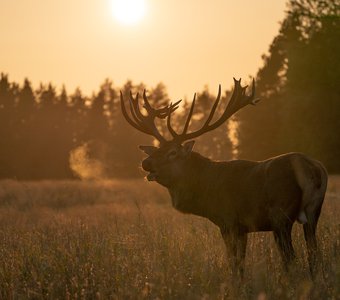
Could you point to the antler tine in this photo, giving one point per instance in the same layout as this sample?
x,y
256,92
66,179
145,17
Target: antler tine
x,y
146,123
187,122
133,113
237,85
160,113
168,123
142,123
126,116
238,100
135,105
176,105
211,115
163,112
146,105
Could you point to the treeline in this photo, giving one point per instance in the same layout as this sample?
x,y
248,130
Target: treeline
x,y
299,84
49,134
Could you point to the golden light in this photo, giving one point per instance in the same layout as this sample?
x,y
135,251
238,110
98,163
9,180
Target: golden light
x,y
128,12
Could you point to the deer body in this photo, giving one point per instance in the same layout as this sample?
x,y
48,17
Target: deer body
x,y
247,195
238,196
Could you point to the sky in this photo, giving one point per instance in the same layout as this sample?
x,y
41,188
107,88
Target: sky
x,y
186,44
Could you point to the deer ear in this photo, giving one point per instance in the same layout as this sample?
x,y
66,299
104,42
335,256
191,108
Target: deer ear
x,y
148,149
187,147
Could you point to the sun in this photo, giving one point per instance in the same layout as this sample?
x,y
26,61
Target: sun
x,y
128,12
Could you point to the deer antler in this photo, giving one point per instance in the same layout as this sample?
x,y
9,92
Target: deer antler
x,y
238,100
146,123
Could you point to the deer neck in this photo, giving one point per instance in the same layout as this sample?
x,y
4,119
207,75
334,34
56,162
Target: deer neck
x,y
187,193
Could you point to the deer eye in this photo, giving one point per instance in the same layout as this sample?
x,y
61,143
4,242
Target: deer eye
x,y
172,154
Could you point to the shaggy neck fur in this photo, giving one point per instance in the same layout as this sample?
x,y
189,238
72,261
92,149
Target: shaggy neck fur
x,y
189,191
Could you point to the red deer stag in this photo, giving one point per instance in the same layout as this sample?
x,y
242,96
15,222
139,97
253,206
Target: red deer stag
x,y
239,196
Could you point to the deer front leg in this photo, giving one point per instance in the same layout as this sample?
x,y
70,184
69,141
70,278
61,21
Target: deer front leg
x,y
236,244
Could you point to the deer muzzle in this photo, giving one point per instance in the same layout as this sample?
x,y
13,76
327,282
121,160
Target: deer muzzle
x,y
147,166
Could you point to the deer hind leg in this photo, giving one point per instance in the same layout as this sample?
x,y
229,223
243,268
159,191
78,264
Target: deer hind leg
x,y
283,240
236,244
309,230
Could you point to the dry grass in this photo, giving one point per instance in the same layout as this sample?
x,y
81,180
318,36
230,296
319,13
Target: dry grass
x,y
122,240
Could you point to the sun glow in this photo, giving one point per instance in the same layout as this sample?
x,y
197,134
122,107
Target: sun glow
x,y
128,12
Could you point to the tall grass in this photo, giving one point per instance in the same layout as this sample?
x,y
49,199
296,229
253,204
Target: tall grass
x,y
123,240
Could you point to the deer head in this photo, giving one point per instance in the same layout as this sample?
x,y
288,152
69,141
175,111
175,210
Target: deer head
x,y
166,162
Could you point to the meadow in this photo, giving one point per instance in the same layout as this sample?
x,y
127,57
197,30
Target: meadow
x,y
123,240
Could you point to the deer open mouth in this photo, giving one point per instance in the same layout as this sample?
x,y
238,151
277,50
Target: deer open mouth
x,y
152,176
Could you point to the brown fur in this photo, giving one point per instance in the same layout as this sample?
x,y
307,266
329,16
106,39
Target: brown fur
x,y
238,196
242,196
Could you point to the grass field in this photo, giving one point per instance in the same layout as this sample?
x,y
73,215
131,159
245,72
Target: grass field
x,y
123,240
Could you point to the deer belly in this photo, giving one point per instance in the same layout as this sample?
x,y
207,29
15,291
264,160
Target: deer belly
x,y
257,223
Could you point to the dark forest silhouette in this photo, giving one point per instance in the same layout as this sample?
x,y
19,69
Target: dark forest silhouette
x,y
50,134
47,133
299,87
